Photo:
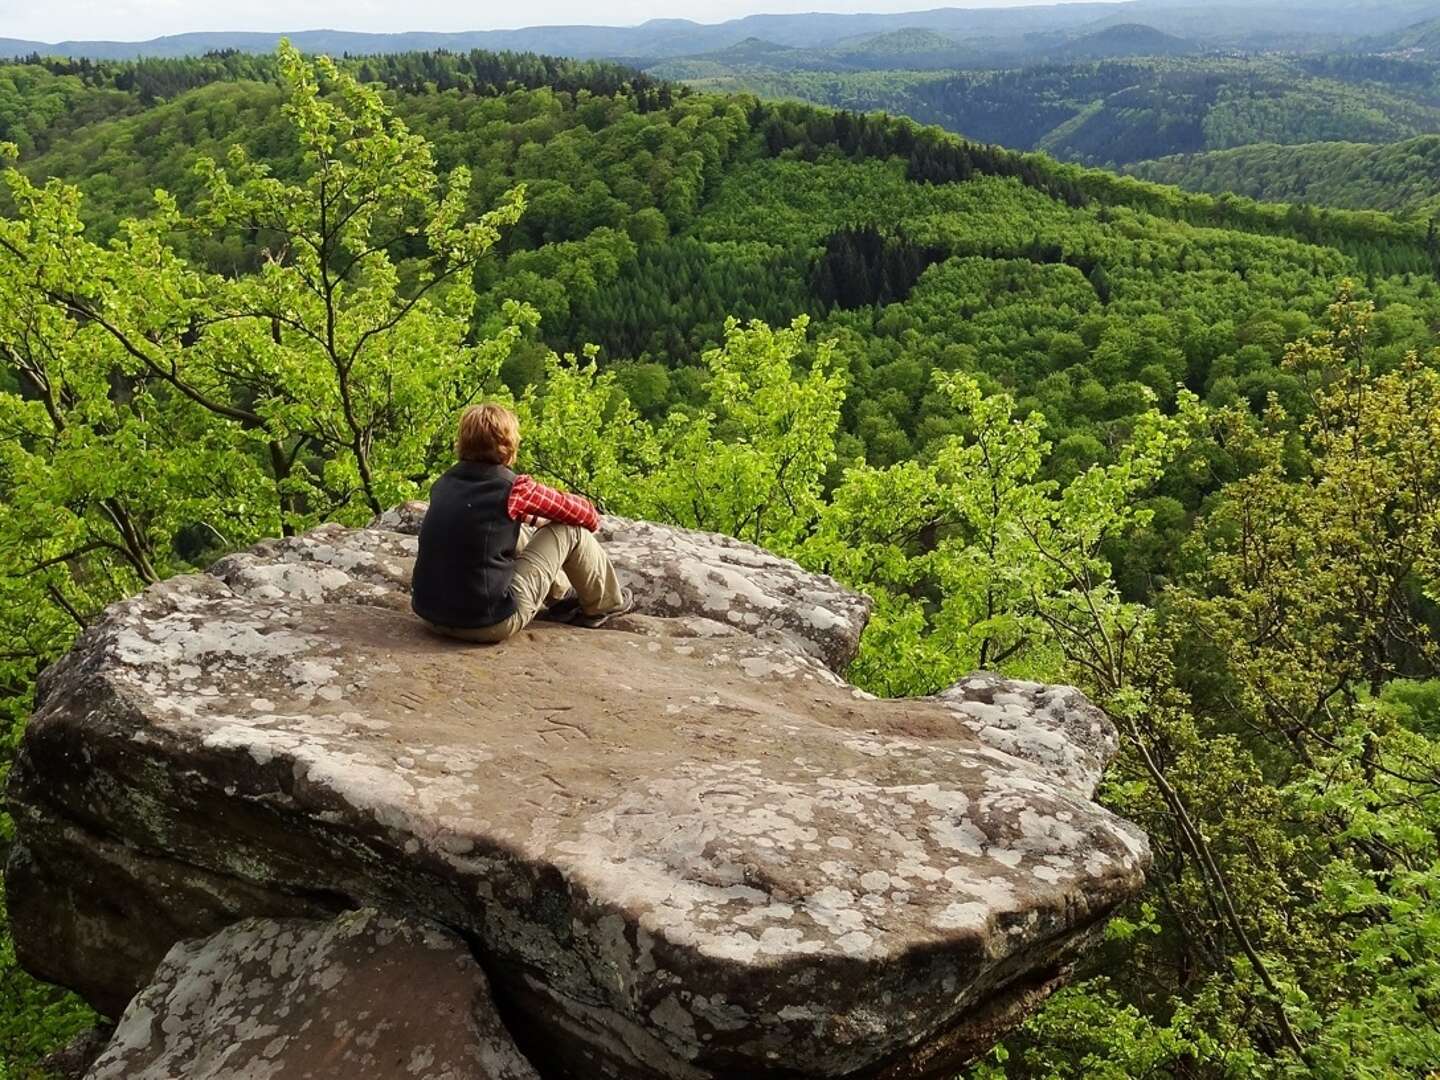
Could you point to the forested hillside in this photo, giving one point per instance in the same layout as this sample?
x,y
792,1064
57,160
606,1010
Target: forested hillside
x,y
1402,178
1118,111
1178,449
1419,39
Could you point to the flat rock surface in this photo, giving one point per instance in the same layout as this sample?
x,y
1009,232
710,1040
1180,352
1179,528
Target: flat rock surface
x,y
683,846
364,997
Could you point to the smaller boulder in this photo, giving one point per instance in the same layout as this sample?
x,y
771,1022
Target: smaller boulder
x,y
365,997
73,1060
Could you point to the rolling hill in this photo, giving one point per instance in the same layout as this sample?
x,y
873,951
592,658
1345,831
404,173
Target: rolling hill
x,y
1421,38
1116,112
910,49
913,47
1402,177
653,39
1287,25
1124,40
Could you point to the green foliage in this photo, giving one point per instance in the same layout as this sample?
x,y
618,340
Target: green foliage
x,y
581,431
339,352
37,106
1399,177
765,433
1414,703
35,1019
766,437
154,413
1117,111
1294,818
977,557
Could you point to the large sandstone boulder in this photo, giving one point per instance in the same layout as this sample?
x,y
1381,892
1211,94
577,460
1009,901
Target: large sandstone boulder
x,y
681,846
364,997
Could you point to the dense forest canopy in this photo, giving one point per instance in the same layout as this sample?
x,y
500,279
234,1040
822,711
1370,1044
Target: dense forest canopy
x,y
1402,177
1344,125
1116,111
1181,450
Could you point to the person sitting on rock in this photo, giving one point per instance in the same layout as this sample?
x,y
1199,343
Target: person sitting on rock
x,y
499,550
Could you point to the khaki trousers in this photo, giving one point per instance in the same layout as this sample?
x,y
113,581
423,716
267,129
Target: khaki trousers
x,y
550,561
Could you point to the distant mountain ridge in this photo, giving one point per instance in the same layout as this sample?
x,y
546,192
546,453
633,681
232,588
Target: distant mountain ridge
x,y
1267,24
654,39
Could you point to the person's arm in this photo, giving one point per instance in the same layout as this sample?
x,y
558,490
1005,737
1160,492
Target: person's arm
x,y
530,499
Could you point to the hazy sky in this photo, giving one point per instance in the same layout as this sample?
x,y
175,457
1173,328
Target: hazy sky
x,y
135,20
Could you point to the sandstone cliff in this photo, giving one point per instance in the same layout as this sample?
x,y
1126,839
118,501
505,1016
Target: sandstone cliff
x,y
680,847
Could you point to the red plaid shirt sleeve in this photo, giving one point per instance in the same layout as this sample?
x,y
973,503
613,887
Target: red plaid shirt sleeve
x,y
530,499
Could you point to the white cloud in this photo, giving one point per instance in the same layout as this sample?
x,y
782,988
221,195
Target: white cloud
x,y
132,20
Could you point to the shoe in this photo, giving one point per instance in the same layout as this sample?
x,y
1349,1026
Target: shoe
x,y
563,610
592,622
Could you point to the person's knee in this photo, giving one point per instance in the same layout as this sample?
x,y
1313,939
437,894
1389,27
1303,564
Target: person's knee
x,y
571,533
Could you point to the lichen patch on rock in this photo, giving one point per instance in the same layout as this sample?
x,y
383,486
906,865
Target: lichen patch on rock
x,y
365,996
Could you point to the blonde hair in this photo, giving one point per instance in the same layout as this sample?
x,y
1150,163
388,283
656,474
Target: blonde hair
x,y
488,433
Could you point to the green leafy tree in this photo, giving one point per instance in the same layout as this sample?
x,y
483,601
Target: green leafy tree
x,y
1292,809
161,410
766,437
347,359
153,412
978,559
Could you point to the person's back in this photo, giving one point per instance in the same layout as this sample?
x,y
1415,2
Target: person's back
x,y
483,574
467,548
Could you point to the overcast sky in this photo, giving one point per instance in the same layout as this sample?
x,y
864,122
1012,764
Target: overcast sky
x,y
137,20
